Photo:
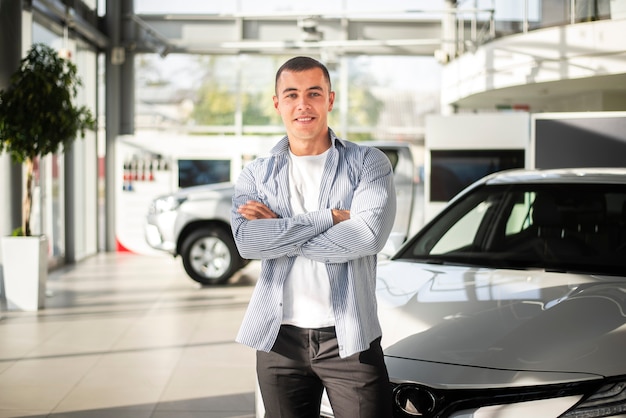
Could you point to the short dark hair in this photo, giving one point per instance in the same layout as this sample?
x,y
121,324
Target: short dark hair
x,y
297,64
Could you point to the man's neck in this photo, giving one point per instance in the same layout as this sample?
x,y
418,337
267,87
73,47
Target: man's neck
x,y
309,147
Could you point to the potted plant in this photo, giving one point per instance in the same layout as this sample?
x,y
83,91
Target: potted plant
x,y
37,117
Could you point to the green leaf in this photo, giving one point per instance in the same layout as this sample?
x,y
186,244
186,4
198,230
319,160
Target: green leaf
x,y
37,113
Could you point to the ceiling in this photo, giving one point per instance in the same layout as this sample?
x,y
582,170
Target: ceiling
x,y
284,34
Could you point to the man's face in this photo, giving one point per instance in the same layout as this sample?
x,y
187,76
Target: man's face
x,y
303,101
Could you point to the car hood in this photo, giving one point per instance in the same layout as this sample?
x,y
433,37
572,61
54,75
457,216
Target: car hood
x,y
511,320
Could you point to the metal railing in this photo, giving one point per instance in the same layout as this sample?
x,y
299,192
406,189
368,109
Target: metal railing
x,y
475,26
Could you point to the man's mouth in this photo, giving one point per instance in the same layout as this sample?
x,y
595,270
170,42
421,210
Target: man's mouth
x,y
304,119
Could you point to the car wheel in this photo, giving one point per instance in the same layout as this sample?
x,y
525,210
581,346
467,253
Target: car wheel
x,y
210,256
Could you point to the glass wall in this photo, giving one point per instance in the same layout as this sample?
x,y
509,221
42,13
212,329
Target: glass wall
x,y
48,210
382,97
53,190
84,181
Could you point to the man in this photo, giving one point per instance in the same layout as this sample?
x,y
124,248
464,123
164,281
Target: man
x,y
316,212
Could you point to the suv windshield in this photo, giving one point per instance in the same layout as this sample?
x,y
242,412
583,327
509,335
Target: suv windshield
x,y
563,227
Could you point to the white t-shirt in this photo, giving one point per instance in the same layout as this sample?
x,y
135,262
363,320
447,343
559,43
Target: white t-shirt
x,y
306,301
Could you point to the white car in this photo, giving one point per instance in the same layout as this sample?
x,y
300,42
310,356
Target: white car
x,y
512,301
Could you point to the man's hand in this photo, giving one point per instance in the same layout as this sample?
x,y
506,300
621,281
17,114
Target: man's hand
x,y
255,210
340,215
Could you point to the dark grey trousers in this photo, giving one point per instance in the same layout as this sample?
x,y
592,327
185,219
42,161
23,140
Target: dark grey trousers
x,y
305,361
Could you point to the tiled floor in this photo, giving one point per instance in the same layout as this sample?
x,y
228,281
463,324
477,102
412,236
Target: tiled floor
x,y
125,335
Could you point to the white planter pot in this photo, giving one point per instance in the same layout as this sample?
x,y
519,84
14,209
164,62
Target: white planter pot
x,y
25,264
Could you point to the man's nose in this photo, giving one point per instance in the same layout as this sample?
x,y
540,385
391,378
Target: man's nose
x,y
303,103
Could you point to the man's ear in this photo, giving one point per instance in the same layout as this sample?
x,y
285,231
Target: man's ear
x,y
276,103
331,100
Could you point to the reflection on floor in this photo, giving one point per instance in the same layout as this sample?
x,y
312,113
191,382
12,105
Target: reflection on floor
x,y
125,335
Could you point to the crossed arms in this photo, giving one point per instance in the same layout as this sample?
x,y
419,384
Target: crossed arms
x,y
330,235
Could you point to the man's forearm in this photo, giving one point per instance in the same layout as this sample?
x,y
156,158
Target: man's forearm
x,y
278,237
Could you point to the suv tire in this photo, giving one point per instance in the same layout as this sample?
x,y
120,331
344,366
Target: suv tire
x,y
210,256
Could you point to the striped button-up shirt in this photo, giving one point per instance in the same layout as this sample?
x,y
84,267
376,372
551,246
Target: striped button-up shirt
x,y
358,178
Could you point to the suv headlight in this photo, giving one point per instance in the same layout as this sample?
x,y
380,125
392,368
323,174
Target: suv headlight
x,y
166,204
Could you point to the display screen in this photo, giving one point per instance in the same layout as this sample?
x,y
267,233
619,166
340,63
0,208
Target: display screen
x,y
453,170
580,142
198,172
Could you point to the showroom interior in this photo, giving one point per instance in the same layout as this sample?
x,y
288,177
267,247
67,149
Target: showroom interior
x,y
177,86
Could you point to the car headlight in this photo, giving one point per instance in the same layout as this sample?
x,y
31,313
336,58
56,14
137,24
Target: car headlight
x,y
166,204
608,401
585,399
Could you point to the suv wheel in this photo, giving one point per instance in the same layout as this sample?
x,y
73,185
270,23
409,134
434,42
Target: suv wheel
x,y
210,256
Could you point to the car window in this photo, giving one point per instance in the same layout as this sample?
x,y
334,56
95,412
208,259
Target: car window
x,y
562,227
462,233
519,218
392,154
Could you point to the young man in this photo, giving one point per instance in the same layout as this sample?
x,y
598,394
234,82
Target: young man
x,y
316,212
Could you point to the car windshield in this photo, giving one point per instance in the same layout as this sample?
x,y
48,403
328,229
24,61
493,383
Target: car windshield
x,y
560,227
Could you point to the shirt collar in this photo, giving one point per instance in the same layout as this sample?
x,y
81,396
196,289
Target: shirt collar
x,y
283,145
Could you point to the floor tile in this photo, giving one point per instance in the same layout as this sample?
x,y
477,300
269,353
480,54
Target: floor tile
x,y
126,335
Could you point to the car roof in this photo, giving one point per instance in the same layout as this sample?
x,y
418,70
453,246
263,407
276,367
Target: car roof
x,y
614,175
386,144
598,175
